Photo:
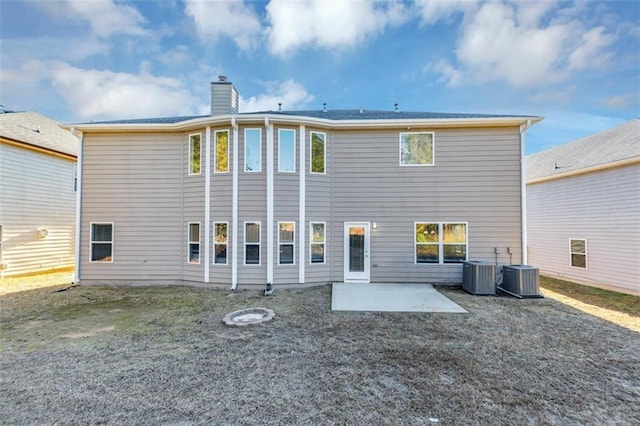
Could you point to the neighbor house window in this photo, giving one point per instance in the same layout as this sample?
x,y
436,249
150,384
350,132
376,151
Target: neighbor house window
x,y
286,150
101,242
252,243
286,238
253,150
317,242
220,243
194,242
318,152
416,149
195,154
578,253
221,151
440,242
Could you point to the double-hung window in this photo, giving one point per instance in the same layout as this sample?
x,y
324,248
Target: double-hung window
x,y
286,242
195,154
439,242
194,243
318,152
101,242
416,149
253,150
317,242
286,150
578,249
252,243
220,242
221,151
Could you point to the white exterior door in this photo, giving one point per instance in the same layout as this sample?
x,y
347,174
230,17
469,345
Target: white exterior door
x,y
356,252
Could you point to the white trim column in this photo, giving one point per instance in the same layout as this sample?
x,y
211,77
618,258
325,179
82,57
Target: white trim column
x,y
234,206
76,273
302,206
523,192
207,201
270,239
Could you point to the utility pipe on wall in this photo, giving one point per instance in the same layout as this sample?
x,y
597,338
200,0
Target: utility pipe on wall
x,y
523,191
80,136
234,207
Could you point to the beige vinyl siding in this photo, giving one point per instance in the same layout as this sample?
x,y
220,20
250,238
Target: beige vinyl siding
x,y
252,207
193,210
318,209
221,211
286,209
475,179
602,207
37,192
135,181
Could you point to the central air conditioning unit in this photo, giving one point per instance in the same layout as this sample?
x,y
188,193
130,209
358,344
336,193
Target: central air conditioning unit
x,y
479,277
521,281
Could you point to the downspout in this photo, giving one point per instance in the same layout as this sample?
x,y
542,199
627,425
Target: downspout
x,y
234,207
302,219
269,129
80,136
523,191
207,202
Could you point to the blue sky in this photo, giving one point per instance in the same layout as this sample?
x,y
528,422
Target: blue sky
x,y
575,63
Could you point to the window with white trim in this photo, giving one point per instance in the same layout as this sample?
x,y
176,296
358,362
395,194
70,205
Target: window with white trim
x,y
438,242
221,151
253,150
220,242
316,242
195,154
286,242
101,246
318,152
286,150
252,243
194,243
578,247
416,149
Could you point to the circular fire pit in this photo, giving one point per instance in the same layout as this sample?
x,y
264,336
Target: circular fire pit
x,y
248,316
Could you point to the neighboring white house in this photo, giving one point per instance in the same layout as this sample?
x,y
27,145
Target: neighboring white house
x,y
294,198
583,207
37,194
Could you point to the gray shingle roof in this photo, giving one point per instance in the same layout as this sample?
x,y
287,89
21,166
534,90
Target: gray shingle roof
x,y
339,114
35,129
618,143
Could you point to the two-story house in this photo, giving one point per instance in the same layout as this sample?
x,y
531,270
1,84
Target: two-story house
x,y
296,198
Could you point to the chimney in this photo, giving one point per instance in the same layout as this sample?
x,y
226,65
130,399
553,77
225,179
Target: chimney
x,y
224,97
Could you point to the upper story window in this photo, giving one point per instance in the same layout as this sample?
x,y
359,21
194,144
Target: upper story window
x,y
318,152
101,242
286,150
440,242
416,149
253,150
221,151
578,253
195,154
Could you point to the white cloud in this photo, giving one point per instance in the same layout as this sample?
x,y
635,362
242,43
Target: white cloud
x,y
432,11
591,53
328,24
522,43
230,18
290,93
106,17
101,94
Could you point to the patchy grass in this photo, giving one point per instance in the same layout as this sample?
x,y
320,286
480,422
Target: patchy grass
x,y
606,299
149,355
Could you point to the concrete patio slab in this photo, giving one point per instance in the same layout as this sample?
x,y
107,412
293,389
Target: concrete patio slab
x,y
390,297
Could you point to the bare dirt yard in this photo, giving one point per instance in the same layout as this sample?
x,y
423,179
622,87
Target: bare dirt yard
x,y
161,355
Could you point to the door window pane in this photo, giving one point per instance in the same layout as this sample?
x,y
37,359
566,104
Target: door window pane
x,y
356,249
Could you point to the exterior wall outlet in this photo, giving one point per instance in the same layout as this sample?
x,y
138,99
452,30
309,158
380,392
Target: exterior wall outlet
x,y
42,233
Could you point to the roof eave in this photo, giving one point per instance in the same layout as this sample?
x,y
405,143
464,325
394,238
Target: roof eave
x,y
585,170
295,119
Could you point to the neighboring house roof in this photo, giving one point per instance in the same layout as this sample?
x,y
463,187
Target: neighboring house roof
x,y
615,146
36,130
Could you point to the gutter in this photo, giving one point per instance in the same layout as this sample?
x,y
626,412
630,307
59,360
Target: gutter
x,y
523,192
80,136
619,163
234,207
